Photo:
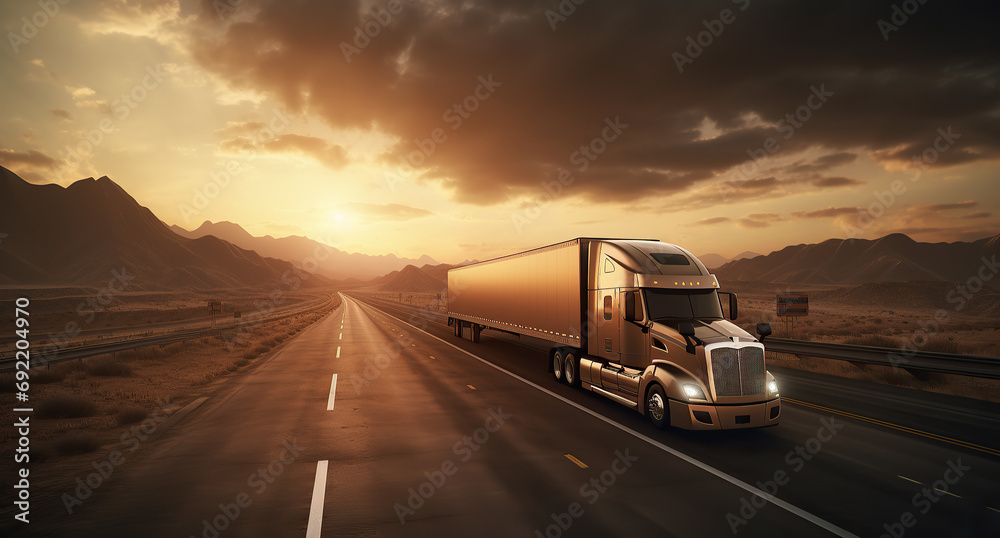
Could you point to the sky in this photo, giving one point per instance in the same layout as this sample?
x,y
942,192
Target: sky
x,y
471,129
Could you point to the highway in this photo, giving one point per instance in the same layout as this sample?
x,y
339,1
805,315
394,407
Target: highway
x,y
365,425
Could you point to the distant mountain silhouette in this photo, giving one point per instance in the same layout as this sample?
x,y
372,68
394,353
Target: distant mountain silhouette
x,y
333,262
426,279
713,260
79,235
893,258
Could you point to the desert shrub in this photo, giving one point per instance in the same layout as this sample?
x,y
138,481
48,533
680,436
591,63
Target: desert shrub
x,y
108,367
250,355
44,376
943,344
65,406
876,340
7,381
75,443
130,415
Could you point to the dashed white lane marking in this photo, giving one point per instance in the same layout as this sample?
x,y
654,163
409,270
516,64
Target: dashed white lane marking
x,y
333,393
319,495
909,479
338,352
341,336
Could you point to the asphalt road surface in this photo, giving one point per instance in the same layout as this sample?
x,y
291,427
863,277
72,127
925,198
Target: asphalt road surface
x,y
378,421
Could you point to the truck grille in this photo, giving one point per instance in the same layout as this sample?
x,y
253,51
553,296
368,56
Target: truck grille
x,y
738,372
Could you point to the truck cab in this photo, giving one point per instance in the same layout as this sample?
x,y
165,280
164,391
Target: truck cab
x,y
657,340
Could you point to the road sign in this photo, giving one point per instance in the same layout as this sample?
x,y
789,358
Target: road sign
x,y
793,304
214,307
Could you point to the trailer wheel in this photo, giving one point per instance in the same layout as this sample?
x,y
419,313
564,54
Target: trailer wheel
x,y
571,370
656,407
557,364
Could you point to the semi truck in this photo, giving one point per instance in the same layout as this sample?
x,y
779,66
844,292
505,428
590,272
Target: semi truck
x,y
641,322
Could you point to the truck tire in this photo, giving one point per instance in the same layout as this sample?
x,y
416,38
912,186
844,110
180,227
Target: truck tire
x,y
557,364
571,369
656,406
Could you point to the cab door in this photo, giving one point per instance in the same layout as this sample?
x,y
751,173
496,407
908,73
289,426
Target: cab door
x,y
634,343
608,325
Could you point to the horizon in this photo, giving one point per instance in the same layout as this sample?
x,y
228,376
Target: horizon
x,y
417,258
728,147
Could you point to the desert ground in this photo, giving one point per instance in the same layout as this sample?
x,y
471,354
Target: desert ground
x,y
83,405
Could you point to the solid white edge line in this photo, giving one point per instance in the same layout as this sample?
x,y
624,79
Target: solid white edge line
x,y
333,393
338,352
319,495
822,523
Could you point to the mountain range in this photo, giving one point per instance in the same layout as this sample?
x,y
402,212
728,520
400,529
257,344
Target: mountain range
x,y
332,262
84,233
713,260
893,258
92,232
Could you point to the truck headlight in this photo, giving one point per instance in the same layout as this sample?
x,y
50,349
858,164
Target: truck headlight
x,y
694,392
772,388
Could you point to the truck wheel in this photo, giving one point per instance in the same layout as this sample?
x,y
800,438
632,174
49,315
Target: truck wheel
x,y
557,364
570,370
656,407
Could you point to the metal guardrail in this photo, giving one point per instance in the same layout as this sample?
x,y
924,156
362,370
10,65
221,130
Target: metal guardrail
x,y
53,356
911,361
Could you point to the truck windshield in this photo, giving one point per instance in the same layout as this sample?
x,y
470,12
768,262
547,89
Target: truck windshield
x,y
682,304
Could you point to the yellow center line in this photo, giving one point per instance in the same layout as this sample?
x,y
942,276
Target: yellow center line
x,y
432,356
928,435
471,387
947,493
994,509
573,459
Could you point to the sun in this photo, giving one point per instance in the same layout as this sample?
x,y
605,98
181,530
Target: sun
x,y
340,220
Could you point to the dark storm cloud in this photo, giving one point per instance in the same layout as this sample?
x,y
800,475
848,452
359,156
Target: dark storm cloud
x,y
978,215
820,164
30,159
935,208
838,182
827,213
711,221
555,90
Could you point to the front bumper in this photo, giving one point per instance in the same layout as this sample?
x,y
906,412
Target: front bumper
x,y
724,417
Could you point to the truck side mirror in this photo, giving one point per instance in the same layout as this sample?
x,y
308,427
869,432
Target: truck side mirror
x,y
764,330
686,328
